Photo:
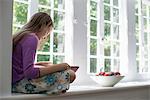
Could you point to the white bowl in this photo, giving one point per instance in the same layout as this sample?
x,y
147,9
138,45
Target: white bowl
x,y
107,81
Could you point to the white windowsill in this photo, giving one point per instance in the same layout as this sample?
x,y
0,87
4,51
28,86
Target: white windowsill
x,y
79,90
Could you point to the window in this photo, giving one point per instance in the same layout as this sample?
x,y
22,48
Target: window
x,y
111,35
93,39
142,14
104,49
54,48
102,33
20,13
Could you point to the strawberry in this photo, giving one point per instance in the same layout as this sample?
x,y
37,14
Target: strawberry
x,y
117,73
106,74
101,73
97,74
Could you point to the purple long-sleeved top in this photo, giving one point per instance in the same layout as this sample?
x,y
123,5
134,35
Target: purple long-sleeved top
x,y
23,57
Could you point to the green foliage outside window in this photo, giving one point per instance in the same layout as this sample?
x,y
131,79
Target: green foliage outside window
x,y
93,64
44,2
111,32
107,1
20,11
58,59
43,58
93,27
93,47
93,10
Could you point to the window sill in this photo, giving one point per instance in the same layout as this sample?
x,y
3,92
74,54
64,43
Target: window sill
x,y
83,90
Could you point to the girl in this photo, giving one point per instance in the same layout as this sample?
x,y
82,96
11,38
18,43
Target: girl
x,y
28,77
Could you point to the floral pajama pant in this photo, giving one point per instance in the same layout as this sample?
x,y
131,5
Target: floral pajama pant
x,y
54,83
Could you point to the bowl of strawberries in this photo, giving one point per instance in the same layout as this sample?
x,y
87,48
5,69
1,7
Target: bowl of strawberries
x,y
107,79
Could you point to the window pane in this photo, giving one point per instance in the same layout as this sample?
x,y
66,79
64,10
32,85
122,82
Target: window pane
x,y
145,38
58,59
48,11
144,10
24,0
116,65
45,2
149,10
107,1
145,67
145,52
93,9
59,41
137,64
106,12
115,2
20,13
115,15
136,6
145,23
148,39
116,49
137,51
15,29
45,45
93,27
107,28
149,22
60,4
93,47
93,63
43,57
107,64
59,20
116,32
137,36
107,48
137,21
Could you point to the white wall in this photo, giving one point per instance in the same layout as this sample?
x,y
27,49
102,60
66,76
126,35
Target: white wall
x,y
5,46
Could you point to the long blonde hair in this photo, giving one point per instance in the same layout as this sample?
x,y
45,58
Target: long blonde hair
x,y
36,24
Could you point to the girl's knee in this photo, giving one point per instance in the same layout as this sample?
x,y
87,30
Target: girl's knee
x,y
72,75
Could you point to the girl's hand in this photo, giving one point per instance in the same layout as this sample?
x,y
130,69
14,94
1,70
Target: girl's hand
x,y
51,68
67,66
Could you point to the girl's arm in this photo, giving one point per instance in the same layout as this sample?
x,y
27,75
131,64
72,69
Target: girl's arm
x,y
53,68
43,63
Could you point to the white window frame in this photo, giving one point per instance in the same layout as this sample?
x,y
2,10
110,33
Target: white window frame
x,y
33,8
97,37
143,75
100,36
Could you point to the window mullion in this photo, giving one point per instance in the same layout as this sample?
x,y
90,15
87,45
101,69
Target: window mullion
x,y
111,35
99,56
32,8
141,40
52,34
101,34
69,32
132,70
88,36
